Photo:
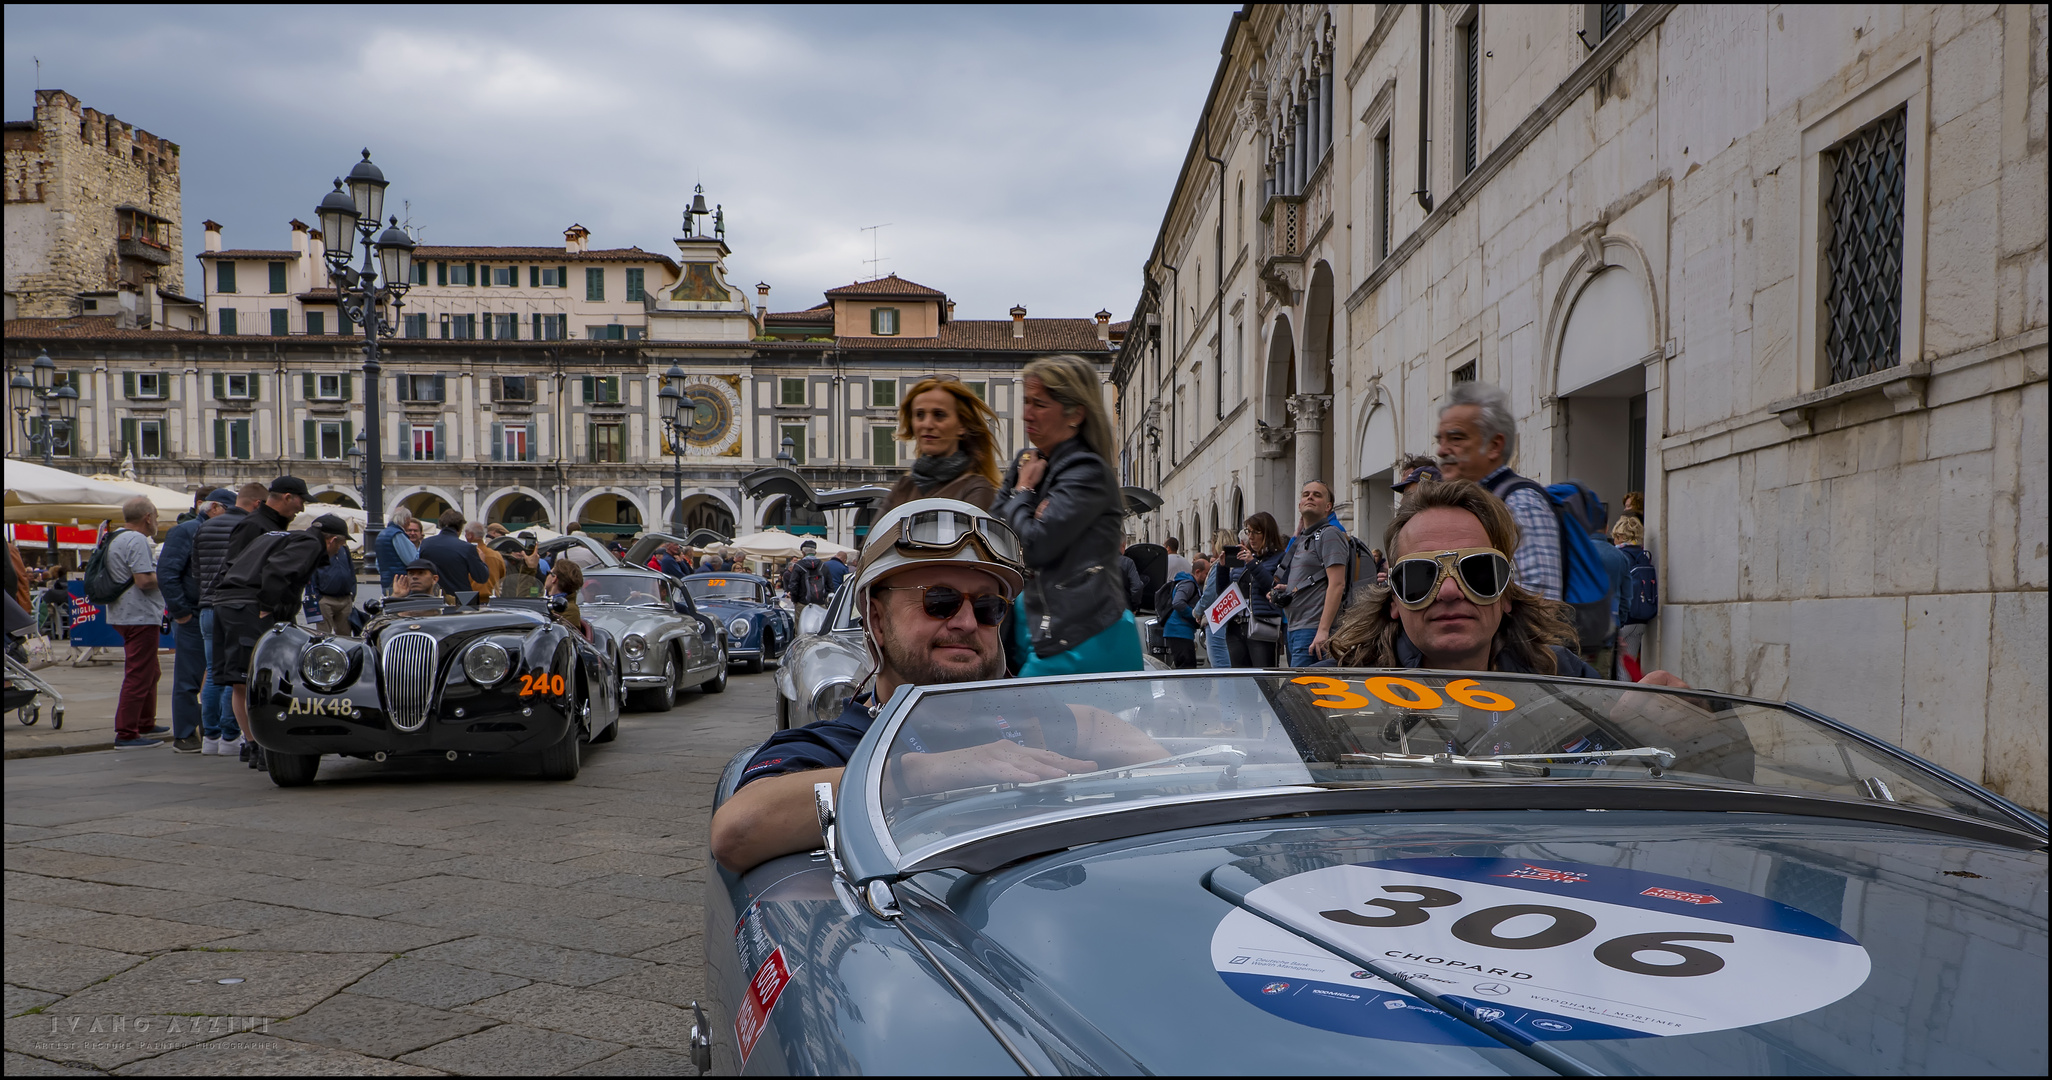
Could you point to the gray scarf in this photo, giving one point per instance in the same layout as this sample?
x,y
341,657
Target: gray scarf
x,y
931,471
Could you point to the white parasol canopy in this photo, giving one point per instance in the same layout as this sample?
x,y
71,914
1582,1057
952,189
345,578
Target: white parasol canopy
x,y
40,493
778,544
169,503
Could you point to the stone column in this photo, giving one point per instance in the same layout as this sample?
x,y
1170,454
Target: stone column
x,y
1308,410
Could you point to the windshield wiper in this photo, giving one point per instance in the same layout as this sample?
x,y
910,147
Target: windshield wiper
x,y
1445,761
1651,755
1227,750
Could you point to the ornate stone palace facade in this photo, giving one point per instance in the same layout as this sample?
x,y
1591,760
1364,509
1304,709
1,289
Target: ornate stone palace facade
x,y
523,386
1780,268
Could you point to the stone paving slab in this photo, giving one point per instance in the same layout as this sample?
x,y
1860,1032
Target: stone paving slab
x,y
569,967
639,1061
435,985
133,933
59,968
251,1054
345,934
21,999
592,1014
123,899
275,984
541,899
107,1041
377,1026
513,1049
27,916
24,1065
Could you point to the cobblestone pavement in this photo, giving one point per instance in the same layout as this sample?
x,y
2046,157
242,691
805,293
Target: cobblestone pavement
x,y
179,914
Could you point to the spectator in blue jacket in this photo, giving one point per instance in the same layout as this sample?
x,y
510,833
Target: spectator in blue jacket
x,y
1179,630
836,569
394,548
181,588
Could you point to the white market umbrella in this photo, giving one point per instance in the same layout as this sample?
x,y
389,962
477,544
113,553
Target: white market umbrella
x,y
169,503
778,544
39,493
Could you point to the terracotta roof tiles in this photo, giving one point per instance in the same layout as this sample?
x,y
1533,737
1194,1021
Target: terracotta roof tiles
x,y
249,253
544,254
890,285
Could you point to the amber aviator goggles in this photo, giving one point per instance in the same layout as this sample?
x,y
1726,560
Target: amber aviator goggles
x,y
1482,574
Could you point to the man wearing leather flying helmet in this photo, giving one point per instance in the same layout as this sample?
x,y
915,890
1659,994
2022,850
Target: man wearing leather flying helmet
x,y
937,577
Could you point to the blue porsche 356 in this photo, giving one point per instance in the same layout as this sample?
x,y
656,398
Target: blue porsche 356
x,y
1389,872
758,627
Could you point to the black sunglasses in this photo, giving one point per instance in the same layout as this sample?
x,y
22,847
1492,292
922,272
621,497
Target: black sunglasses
x,y
943,601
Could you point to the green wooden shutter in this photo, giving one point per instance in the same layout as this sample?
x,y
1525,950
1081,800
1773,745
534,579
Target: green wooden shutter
x,y
486,271
537,328
306,386
220,435
441,444
534,277
498,442
441,388
220,387
310,432
562,277
405,391
441,273
348,391
587,384
348,438
127,437
590,441
472,269
128,384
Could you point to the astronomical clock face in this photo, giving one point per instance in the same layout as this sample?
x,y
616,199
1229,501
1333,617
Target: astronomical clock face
x,y
714,404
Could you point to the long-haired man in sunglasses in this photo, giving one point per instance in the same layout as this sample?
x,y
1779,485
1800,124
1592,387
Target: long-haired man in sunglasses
x,y
1449,602
935,582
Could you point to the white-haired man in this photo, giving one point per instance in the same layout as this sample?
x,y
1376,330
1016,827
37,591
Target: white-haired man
x,y
936,580
1477,436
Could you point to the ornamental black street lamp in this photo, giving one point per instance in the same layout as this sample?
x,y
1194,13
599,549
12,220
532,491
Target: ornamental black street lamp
x,y
349,218
677,417
47,411
356,456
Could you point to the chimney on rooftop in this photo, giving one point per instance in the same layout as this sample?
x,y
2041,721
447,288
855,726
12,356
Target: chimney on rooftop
x,y
575,238
761,301
951,311
317,249
213,241
299,236
1019,320
1104,326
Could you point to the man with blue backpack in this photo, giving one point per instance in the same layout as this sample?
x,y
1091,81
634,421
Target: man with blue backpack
x,y
1557,556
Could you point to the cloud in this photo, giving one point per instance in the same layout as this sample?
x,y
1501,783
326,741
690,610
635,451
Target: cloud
x,y
1019,154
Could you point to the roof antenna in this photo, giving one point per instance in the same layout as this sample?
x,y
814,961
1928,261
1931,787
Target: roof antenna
x,y
39,71
875,256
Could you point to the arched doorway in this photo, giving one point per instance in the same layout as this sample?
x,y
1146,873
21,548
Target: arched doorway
x,y
1374,502
1275,479
337,498
608,515
426,506
1316,421
517,510
1600,381
702,511
782,513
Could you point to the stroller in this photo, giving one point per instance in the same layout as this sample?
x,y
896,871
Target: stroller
x,y
24,687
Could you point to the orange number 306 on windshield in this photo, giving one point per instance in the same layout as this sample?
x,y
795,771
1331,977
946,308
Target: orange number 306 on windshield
x,y
1403,693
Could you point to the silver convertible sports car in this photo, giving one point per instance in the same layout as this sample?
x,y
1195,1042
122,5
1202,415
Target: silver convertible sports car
x,y
825,666
1403,872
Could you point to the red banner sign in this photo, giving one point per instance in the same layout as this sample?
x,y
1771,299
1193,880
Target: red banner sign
x,y
756,1003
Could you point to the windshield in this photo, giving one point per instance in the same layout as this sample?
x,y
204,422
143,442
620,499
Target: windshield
x,y
623,589
724,588
965,760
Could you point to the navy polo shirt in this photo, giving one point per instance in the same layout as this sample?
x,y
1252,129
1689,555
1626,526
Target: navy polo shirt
x,y
824,744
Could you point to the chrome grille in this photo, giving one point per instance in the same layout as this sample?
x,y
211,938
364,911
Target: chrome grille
x,y
409,678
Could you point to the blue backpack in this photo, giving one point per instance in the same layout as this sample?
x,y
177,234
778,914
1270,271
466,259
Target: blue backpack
x,y
1585,581
1641,600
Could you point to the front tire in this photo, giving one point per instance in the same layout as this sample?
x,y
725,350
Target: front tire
x,y
561,761
663,697
769,644
292,770
718,683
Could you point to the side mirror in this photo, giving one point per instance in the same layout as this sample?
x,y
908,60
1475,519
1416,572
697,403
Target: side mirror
x,y
559,603
374,607
811,620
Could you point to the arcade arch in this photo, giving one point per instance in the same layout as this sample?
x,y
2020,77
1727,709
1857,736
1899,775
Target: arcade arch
x,y
517,508
608,512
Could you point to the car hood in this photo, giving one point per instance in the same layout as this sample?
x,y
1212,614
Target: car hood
x,y
447,621
730,606
1831,946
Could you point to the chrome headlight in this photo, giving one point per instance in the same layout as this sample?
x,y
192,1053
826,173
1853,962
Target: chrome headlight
x,y
324,667
486,662
830,699
738,629
633,646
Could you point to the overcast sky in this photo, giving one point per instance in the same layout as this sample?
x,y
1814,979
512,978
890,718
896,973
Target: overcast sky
x,y
1019,155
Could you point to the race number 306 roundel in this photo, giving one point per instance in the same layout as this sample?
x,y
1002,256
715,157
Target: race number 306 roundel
x,y
1543,950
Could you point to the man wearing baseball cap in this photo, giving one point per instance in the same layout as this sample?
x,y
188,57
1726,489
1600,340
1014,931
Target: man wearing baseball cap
x,y
261,586
287,497
937,577
181,598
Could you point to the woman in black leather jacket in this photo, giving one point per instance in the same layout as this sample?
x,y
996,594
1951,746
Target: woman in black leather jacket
x,y
1261,558
1063,500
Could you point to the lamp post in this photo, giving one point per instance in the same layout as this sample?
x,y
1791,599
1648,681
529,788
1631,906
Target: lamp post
x,y
349,218
47,411
356,456
675,417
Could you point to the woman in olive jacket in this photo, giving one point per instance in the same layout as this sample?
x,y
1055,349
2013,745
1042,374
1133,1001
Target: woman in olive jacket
x,y
1063,500
957,454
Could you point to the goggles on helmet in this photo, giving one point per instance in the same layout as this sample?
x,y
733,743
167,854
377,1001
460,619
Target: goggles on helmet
x,y
941,530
